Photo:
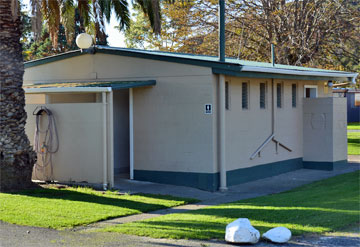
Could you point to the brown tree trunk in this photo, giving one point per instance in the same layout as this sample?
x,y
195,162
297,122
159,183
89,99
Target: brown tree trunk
x,y
16,155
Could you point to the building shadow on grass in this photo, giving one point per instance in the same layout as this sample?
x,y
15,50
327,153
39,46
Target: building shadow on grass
x,y
123,201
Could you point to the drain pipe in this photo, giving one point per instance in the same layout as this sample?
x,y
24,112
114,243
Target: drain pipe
x,y
272,135
222,132
105,183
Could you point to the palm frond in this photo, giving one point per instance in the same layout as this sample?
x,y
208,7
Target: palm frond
x,y
85,11
68,19
121,12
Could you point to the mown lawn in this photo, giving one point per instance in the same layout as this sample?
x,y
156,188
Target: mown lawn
x,y
69,207
353,143
315,208
353,126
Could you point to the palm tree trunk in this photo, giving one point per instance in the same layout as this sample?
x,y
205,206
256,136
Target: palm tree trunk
x,y
16,155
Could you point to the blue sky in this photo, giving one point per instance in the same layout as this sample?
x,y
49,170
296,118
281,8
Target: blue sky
x,y
115,38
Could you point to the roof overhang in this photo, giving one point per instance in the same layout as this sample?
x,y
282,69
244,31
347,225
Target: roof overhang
x,y
279,73
67,90
85,87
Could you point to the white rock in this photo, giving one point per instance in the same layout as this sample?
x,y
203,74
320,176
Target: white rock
x,y
241,231
278,235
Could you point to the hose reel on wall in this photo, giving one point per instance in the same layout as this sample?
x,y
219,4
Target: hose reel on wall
x,y
46,143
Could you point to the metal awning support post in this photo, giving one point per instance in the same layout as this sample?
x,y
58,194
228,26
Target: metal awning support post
x,y
105,154
111,136
131,132
221,111
222,30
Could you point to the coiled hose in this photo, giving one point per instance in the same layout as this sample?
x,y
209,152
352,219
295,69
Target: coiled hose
x,y
46,143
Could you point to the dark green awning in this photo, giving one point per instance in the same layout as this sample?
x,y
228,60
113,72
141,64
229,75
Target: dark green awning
x,y
113,84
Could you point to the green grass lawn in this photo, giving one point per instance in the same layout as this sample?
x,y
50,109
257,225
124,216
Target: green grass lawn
x,y
353,126
69,207
353,143
315,208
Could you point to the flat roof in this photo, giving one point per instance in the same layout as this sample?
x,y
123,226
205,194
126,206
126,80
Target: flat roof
x,y
230,66
93,86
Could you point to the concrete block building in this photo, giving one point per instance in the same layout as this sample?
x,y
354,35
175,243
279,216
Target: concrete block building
x,y
184,119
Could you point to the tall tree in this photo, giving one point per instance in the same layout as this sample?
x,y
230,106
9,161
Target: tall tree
x,y
322,33
16,154
17,157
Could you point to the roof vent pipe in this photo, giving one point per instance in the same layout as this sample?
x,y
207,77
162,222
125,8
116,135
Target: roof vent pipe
x,y
273,55
222,30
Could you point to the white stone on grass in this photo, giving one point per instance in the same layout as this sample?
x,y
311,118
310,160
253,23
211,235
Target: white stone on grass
x,y
241,231
278,235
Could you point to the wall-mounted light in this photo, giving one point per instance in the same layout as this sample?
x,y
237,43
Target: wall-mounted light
x,y
84,41
330,83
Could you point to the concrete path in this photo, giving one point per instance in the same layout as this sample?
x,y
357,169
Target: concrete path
x,y
354,158
271,185
353,130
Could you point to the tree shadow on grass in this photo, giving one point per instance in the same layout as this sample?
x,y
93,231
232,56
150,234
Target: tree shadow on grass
x,y
354,140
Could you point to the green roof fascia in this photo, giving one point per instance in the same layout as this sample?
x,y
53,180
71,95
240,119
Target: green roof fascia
x,y
275,75
113,84
124,84
169,58
54,58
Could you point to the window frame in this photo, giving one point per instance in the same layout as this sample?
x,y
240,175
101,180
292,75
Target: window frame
x,y
227,95
311,86
247,96
281,95
294,95
265,95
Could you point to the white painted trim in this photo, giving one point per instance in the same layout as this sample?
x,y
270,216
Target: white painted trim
x,y
311,86
111,137
105,182
131,132
222,134
247,68
68,90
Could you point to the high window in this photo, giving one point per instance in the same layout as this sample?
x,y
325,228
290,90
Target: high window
x,y
262,95
310,91
293,95
279,92
227,96
245,95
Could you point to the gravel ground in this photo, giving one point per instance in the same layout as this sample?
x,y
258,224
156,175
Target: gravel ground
x,y
23,236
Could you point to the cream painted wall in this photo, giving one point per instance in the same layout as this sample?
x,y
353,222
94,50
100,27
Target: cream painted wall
x,y
325,129
248,129
35,98
340,129
171,131
80,141
70,69
72,98
102,67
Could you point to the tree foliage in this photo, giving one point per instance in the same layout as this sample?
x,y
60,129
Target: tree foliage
x,y
321,33
93,15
